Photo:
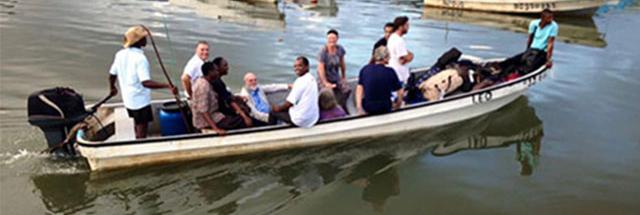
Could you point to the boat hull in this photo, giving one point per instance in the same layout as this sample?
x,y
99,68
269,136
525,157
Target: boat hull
x,y
119,154
568,7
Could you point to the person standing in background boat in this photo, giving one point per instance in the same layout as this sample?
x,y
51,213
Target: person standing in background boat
x,y
332,68
301,105
229,104
257,96
192,70
400,57
131,69
205,106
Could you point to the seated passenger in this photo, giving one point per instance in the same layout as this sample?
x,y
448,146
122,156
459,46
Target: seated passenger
x,y
376,82
229,104
329,108
257,96
301,105
205,106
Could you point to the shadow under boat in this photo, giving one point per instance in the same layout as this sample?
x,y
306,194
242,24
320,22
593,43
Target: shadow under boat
x,y
577,30
264,14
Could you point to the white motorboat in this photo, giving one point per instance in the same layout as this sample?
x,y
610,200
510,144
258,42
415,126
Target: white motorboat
x,y
109,142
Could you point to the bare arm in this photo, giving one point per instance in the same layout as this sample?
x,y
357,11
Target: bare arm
x,y
212,124
407,58
399,101
112,85
550,51
247,121
359,97
343,68
281,108
186,83
322,74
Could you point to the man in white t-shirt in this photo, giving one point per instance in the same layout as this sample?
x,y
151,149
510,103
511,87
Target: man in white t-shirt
x,y
131,69
301,106
192,70
400,57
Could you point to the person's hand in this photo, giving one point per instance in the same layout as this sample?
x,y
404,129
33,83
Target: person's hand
x,y
549,64
114,91
247,121
361,112
174,89
220,131
289,86
329,85
244,98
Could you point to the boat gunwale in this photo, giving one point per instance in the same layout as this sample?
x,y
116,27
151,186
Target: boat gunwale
x,y
97,144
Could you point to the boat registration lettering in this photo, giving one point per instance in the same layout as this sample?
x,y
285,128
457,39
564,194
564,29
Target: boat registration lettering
x,y
534,6
453,3
482,97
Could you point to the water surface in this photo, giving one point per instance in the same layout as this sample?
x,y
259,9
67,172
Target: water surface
x,y
569,146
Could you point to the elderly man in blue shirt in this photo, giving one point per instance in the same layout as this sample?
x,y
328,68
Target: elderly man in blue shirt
x,y
257,96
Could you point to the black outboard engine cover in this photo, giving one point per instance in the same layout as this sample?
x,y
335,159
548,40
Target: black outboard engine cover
x,y
56,111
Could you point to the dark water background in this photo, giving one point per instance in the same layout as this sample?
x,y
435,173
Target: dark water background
x,y
570,146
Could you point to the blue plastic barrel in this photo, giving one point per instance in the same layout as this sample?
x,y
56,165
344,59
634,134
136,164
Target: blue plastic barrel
x,y
171,122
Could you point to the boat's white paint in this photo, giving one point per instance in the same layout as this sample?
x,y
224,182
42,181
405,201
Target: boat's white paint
x,y
521,6
199,146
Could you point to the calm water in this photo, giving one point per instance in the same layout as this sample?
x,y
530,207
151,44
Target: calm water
x,y
570,146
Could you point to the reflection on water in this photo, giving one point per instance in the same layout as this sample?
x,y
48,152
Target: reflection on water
x,y
501,131
247,12
274,182
579,30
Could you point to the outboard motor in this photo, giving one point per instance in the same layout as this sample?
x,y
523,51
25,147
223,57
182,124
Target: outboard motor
x,y
56,111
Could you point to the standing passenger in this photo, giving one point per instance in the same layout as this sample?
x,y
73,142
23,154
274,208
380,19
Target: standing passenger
x,y
332,68
400,56
301,105
388,30
376,82
192,69
131,69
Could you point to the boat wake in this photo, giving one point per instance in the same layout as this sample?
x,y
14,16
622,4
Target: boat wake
x,y
32,162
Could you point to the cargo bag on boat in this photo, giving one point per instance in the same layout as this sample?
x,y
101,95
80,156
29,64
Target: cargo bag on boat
x,y
414,94
436,87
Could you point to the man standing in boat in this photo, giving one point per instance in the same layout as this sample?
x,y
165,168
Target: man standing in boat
x,y
400,56
131,68
301,106
192,70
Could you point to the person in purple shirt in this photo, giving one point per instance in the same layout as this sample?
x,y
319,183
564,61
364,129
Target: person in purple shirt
x,y
329,108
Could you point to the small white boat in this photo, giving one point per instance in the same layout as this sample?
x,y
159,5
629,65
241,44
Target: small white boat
x,y
576,7
109,144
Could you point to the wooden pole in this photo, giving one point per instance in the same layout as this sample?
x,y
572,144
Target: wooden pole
x,y
166,75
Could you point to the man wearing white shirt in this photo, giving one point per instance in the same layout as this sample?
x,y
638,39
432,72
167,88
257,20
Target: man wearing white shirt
x,y
301,106
400,57
192,71
131,69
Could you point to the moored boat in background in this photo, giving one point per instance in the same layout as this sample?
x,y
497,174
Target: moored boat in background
x,y
568,7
